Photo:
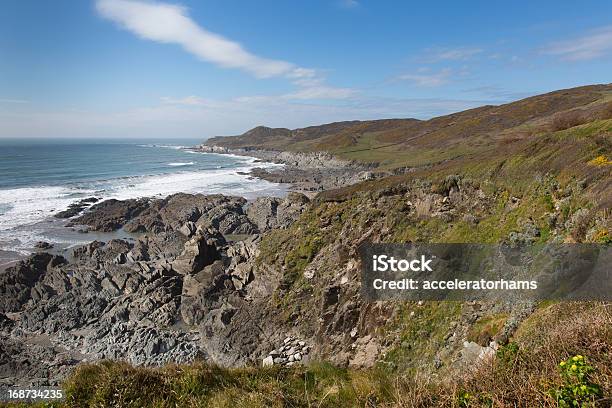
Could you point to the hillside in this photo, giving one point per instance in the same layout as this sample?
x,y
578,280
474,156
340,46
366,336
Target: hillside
x,y
535,171
558,132
478,128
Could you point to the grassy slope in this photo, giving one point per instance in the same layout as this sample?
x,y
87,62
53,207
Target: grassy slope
x,y
527,150
398,141
522,376
516,141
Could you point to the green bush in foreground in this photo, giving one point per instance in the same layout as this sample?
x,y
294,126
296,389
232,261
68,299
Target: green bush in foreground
x,y
578,390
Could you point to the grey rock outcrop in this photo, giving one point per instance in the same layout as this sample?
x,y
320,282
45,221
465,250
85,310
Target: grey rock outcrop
x,y
17,282
178,291
200,251
272,212
111,215
178,212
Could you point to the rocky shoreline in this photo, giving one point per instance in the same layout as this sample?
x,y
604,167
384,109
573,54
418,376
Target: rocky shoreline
x,y
273,281
190,284
184,290
307,173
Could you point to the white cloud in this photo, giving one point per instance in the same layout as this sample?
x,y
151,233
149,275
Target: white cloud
x,y
425,79
433,55
168,23
322,92
191,100
597,43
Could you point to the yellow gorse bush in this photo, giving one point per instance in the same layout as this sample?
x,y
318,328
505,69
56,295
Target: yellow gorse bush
x,y
577,390
600,161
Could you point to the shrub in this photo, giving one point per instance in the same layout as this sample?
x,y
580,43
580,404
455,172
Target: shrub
x,y
607,111
600,161
506,355
578,390
566,120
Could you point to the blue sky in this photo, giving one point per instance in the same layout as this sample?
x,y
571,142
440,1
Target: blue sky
x,y
127,68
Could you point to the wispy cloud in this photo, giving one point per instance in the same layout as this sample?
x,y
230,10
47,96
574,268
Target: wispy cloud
x,y
190,100
169,23
596,44
322,92
425,78
433,55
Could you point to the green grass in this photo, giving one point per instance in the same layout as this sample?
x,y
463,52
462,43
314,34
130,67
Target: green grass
x,y
523,374
420,331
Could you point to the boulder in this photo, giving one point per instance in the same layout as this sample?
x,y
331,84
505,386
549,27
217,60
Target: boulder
x,y
273,212
188,229
199,251
43,245
268,361
110,215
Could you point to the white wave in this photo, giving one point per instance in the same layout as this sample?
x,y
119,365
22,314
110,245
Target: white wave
x,y
245,159
226,181
26,208
32,204
25,213
175,147
178,164
163,146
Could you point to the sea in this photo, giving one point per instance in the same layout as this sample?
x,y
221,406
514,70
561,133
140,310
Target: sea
x,y
41,177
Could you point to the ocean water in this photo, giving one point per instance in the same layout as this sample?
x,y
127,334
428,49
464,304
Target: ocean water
x,y
39,178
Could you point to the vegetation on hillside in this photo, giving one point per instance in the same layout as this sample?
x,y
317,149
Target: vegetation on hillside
x,y
537,170
534,370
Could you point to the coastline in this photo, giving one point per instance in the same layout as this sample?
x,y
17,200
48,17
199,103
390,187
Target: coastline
x,y
306,173
47,223
143,299
165,241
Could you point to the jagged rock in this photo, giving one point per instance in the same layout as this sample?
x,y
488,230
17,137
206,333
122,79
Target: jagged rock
x,y
86,251
111,215
76,208
188,229
120,258
228,217
196,289
242,274
43,245
199,251
16,282
181,211
272,212
140,252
